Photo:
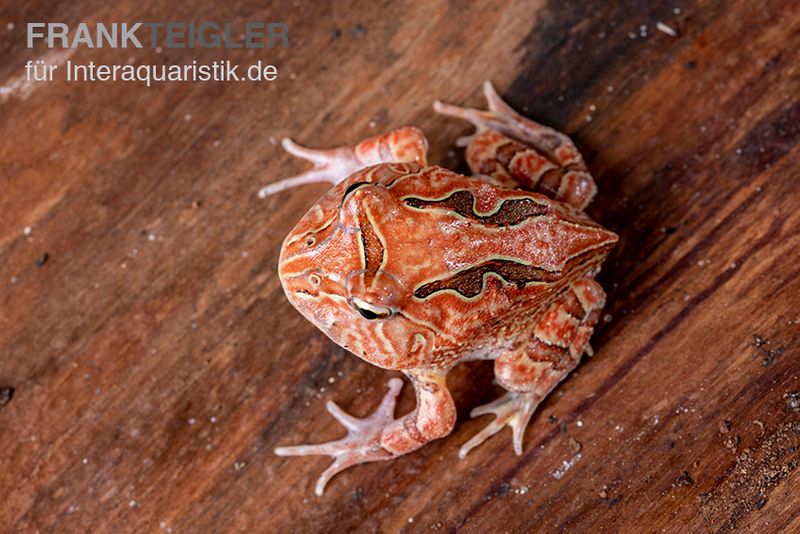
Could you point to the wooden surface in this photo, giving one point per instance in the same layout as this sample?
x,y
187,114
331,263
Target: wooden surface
x,y
155,362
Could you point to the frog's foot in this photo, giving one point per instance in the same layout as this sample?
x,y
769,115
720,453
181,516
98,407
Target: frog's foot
x,y
362,443
513,409
334,165
502,118
330,165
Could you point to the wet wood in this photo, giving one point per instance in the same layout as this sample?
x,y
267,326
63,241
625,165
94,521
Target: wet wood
x,y
155,362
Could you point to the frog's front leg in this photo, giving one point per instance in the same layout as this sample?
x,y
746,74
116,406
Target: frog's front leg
x,y
380,436
518,152
530,373
333,165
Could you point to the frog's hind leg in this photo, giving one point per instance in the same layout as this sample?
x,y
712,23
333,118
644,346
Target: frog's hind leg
x,y
502,118
380,436
560,338
518,152
333,165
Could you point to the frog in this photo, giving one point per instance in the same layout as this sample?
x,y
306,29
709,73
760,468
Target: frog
x,y
416,268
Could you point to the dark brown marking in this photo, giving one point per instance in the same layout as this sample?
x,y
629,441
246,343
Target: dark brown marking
x,y
773,137
539,351
573,305
506,152
511,212
373,247
469,282
550,182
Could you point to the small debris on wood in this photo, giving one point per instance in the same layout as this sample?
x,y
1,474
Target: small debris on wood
x,y
760,426
760,501
41,260
732,443
603,493
552,419
565,466
5,396
500,491
563,426
358,30
724,426
358,495
669,230
684,479
336,33
793,401
664,28
691,64
575,445
769,356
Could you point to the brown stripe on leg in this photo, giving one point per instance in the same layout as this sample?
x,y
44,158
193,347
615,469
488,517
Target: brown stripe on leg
x,y
514,164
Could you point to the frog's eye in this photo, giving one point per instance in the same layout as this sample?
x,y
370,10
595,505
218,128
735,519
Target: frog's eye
x,y
371,312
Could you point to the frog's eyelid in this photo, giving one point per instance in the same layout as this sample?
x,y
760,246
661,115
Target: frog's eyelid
x,y
370,311
369,315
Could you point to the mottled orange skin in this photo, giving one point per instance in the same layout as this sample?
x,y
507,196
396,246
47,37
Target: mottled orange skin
x,y
416,268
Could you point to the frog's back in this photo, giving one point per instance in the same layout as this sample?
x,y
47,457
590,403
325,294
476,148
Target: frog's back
x,y
468,251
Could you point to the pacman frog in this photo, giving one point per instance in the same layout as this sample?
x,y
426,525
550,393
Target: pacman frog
x,y
416,268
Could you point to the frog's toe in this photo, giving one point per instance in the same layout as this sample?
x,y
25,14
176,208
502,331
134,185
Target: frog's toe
x,y
480,119
513,409
331,165
494,118
362,443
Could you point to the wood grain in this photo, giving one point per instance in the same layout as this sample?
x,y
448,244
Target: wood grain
x,y
155,362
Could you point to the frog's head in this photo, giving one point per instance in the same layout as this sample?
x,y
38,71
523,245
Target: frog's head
x,y
332,267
